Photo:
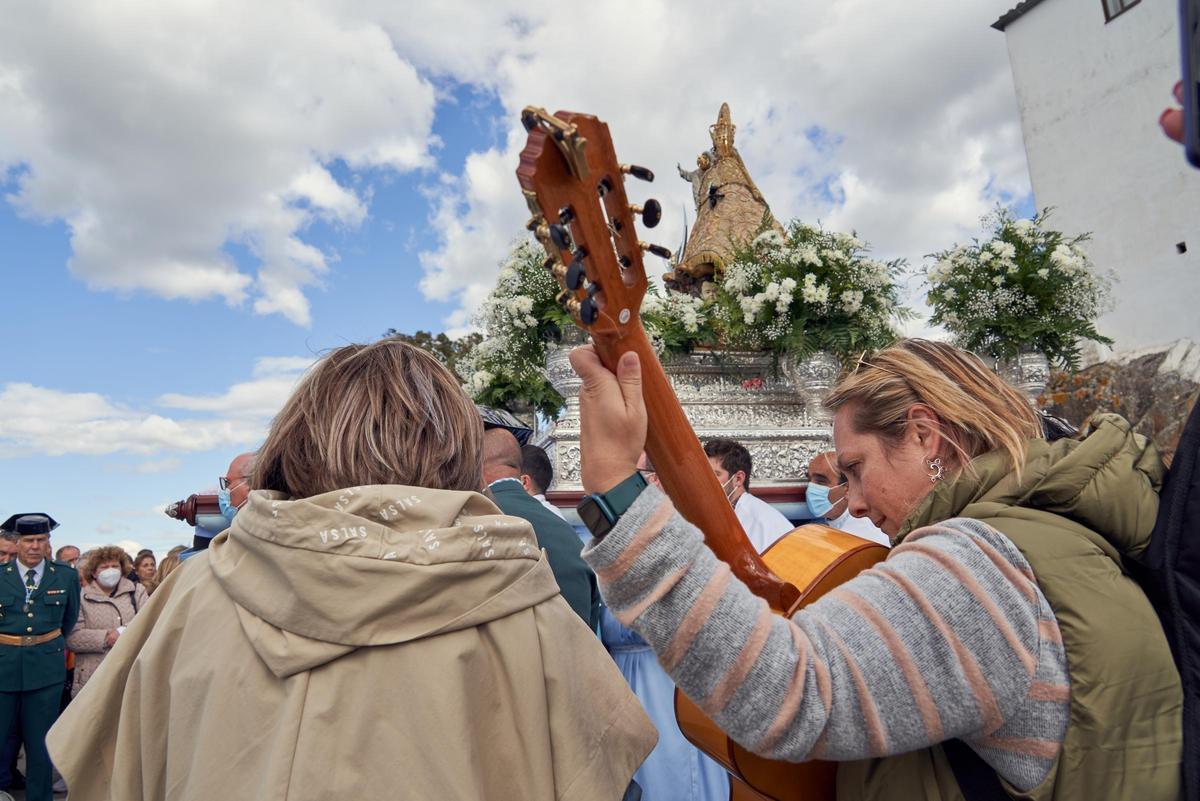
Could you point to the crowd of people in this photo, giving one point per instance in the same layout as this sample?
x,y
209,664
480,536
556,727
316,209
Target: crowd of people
x,y
384,531
396,609
86,600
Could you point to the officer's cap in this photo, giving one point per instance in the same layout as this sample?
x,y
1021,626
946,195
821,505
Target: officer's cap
x,y
499,418
28,524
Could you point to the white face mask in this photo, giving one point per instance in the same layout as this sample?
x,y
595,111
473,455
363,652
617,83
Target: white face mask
x,y
108,577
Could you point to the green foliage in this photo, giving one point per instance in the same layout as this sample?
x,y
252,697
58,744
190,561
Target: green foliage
x,y
677,322
808,290
1025,287
506,368
449,352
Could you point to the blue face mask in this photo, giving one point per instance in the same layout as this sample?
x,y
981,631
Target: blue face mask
x,y
228,510
816,497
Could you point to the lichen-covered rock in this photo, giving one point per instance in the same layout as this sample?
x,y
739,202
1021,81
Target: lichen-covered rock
x,y
1154,388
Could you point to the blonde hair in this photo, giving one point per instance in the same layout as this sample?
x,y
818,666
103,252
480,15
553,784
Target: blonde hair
x,y
385,413
978,411
168,563
97,556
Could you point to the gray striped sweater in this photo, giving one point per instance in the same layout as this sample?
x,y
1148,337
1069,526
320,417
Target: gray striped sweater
x,y
950,637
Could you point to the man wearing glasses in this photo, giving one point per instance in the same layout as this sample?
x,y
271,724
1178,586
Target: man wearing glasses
x,y
234,489
235,485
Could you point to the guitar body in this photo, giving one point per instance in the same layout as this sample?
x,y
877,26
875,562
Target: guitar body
x,y
575,188
816,559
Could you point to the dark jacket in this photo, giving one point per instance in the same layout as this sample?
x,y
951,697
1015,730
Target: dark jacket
x,y
575,579
54,605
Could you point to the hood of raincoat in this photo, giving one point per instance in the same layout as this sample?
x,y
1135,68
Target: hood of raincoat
x,y
372,566
377,642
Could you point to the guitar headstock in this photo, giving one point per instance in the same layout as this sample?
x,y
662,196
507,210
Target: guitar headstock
x,y
575,188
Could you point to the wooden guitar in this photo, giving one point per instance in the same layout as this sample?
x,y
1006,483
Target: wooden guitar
x,y
575,188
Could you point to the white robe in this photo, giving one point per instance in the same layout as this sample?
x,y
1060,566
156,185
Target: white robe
x,y
764,524
541,498
860,527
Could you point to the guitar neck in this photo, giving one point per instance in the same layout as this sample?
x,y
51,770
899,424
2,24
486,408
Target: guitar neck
x,y
688,478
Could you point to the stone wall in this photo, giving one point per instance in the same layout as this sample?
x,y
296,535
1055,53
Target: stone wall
x,y
1155,388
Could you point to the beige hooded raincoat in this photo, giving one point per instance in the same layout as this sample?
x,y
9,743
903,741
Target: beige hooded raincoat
x,y
374,643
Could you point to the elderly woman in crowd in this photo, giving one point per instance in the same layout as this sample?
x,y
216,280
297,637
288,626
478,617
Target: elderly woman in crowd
x,y
108,603
370,626
1001,644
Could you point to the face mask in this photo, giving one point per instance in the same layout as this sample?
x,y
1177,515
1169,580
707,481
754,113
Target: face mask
x,y
108,577
816,497
228,510
728,488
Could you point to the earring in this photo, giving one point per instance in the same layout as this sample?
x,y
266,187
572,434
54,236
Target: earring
x,y
938,471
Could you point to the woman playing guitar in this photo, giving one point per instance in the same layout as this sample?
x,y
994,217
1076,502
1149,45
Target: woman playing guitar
x,y
999,649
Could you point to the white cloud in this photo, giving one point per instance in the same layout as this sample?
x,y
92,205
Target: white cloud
x,y
163,132
898,120
158,466
274,380
49,421
282,365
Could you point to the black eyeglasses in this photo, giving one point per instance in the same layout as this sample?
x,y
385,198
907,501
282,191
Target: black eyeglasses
x,y
226,484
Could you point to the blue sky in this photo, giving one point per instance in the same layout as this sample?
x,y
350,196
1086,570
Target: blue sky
x,y
134,347
200,198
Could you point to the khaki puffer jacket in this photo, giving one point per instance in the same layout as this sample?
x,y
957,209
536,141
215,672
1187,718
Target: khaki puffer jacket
x,y
1080,512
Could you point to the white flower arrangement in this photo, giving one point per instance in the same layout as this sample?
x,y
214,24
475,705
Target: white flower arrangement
x,y
806,290
1026,287
794,292
518,318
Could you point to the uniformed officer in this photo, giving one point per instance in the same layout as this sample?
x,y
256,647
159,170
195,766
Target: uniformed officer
x,y
39,603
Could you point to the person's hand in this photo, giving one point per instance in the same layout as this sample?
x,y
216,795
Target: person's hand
x,y
1171,119
612,415
110,638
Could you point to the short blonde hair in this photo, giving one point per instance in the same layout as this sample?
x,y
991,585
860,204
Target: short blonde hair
x,y
979,412
97,556
168,564
385,413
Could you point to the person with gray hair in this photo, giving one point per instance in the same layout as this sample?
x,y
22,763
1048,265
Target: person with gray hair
x,y
8,547
10,743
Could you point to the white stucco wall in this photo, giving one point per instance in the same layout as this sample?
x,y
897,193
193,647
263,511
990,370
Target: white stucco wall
x,y
1089,95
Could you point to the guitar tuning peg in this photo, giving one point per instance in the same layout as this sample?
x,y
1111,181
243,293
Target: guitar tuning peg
x,y
566,214
651,212
556,268
560,236
589,310
657,250
569,302
575,274
641,173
